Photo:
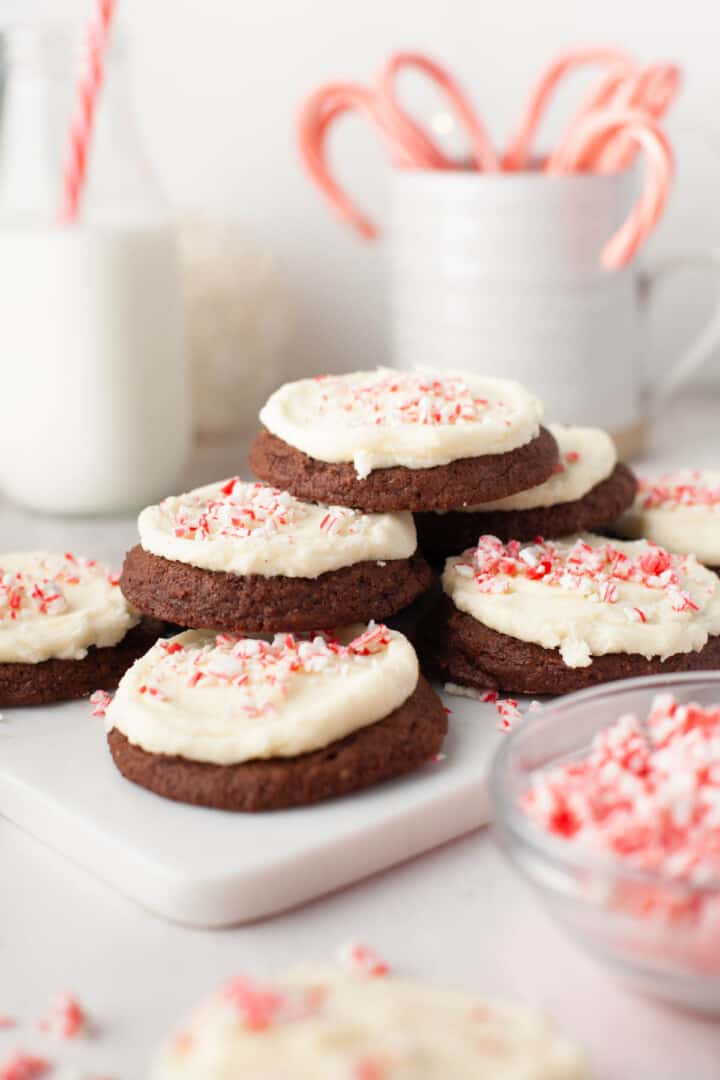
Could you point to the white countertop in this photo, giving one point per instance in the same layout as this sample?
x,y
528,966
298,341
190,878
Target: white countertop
x,y
458,915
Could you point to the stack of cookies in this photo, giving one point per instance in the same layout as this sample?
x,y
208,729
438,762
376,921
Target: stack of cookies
x,y
313,545
532,601
323,711
221,717
353,471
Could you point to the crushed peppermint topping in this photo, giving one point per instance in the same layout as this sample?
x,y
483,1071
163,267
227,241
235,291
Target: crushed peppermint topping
x,y
571,457
22,1066
362,960
26,595
647,794
100,700
372,1067
371,1030
257,1007
675,490
66,1018
260,671
238,509
594,571
508,710
183,1042
397,398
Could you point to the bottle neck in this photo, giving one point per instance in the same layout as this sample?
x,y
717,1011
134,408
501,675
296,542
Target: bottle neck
x,y
39,81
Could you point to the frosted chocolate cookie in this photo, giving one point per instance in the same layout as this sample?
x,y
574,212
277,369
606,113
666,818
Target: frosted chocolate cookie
x,y
65,628
556,616
248,724
327,1022
246,556
681,511
391,440
588,490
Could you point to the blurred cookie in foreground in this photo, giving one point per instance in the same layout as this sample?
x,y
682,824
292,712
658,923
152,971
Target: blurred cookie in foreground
x,y
247,557
555,616
679,510
240,723
588,490
396,440
65,628
362,1024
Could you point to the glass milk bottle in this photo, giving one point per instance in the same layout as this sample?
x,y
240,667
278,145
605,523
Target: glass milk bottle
x,y
95,400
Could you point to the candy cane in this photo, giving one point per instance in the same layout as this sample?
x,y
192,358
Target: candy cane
x,y
602,95
317,114
579,152
409,133
517,156
652,91
76,158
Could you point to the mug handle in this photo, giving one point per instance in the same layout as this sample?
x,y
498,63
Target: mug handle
x,y
707,340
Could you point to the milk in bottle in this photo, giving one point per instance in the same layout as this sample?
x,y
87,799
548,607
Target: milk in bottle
x,y
94,410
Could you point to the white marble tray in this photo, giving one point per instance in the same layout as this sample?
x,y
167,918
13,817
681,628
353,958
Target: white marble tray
x,y
209,868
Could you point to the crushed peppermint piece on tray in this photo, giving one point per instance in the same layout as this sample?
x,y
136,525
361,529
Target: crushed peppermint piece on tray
x,y
22,1066
100,700
66,1018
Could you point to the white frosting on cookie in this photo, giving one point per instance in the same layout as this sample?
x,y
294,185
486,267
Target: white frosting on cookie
x,y
378,419
225,699
681,511
587,457
252,528
58,606
588,596
324,1023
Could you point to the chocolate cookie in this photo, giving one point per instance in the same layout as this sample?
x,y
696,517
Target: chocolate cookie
x,y
65,680
456,648
404,740
440,535
466,481
189,596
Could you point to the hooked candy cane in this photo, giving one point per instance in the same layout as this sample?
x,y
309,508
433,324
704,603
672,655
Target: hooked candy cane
x,y
407,130
518,153
652,91
579,152
601,96
317,114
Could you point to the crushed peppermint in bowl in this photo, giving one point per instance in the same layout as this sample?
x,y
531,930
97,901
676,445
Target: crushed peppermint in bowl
x,y
608,801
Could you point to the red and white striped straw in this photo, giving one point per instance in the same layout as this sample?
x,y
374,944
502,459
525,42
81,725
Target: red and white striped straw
x,y
76,158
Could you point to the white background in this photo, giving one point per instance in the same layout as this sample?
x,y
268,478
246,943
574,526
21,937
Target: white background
x,y
217,85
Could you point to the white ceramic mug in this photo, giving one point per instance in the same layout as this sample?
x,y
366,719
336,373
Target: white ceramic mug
x,y
502,273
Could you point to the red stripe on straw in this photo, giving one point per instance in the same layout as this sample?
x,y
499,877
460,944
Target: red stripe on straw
x,y
76,158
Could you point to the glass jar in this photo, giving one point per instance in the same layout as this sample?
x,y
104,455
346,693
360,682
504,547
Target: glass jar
x,y
95,402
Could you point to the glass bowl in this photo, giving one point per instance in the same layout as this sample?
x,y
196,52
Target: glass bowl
x,y
660,935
